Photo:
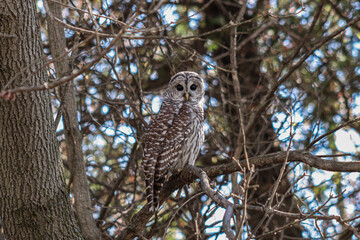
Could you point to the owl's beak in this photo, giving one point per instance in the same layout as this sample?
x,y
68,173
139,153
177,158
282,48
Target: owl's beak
x,y
187,96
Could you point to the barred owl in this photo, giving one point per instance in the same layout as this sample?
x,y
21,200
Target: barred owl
x,y
175,135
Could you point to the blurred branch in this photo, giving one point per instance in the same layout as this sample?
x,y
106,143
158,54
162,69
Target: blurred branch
x,y
266,99
305,39
241,139
130,34
134,154
340,12
251,37
177,211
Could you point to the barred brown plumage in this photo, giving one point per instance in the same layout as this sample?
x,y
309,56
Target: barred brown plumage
x,y
174,137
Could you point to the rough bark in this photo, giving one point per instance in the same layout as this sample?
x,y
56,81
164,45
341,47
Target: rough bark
x,y
34,203
73,137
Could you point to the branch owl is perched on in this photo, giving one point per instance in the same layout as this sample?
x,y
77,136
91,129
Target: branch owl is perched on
x,y
174,137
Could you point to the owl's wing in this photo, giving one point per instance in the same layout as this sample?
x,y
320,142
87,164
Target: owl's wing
x,y
155,138
163,143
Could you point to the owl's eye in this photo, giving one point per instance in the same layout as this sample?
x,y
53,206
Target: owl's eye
x,y
193,87
179,87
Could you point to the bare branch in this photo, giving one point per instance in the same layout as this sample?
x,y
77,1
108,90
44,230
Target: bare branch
x,y
187,176
205,185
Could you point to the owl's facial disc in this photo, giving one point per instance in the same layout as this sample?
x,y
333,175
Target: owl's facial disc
x,y
186,86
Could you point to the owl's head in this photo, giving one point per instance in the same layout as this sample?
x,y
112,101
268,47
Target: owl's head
x,y
186,86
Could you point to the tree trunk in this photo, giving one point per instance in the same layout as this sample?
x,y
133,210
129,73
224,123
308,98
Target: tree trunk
x,y
34,203
73,137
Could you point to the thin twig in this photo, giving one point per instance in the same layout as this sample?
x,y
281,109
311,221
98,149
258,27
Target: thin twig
x,y
332,131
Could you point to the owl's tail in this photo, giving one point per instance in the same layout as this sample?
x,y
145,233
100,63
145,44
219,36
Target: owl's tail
x,y
157,188
153,189
154,180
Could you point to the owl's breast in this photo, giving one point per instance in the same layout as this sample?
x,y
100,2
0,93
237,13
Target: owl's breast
x,y
193,139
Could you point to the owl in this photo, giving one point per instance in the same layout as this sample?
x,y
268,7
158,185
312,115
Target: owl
x,y
175,135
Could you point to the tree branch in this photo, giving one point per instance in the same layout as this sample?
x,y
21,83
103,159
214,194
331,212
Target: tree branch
x,y
223,202
140,219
